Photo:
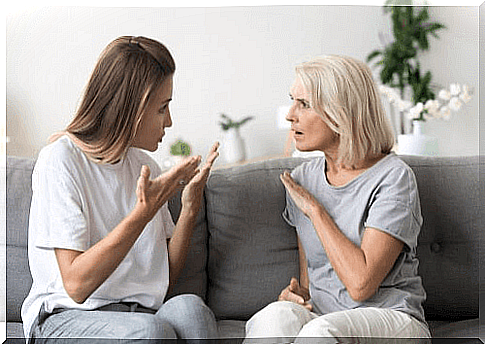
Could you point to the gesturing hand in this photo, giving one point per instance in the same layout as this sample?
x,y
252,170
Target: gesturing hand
x,y
192,194
152,194
303,199
296,293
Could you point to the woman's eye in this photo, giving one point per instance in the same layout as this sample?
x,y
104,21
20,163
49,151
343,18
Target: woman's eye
x,y
305,105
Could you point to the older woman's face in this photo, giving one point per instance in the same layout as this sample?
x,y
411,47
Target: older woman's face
x,y
309,130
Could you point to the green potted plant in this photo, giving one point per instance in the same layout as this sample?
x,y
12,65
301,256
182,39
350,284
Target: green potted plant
x,y
233,147
180,148
227,123
398,61
401,73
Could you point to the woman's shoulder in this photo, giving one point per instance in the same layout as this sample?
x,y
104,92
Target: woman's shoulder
x,y
59,154
314,164
393,165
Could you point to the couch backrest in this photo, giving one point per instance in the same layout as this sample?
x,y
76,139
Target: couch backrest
x,y
449,242
243,253
19,193
252,251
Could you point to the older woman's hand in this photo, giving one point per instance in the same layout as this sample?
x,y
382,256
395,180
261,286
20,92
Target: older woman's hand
x,y
303,199
192,194
296,293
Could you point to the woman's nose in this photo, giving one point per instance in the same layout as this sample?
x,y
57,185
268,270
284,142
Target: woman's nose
x,y
290,116
168,120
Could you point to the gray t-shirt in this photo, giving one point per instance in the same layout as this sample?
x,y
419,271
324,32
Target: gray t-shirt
x,y
384,197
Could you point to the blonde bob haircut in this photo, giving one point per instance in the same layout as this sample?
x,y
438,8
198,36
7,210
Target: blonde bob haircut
x,y
344,93
126,74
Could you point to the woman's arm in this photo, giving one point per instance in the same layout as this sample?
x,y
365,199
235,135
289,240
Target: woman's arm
x,y
297,291
179,244
83,272
361,269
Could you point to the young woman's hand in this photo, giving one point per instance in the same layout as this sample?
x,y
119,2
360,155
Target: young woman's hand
x,y
294,292
192,193
152,194
303,199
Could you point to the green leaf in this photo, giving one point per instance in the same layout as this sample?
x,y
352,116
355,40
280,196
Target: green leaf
x,y
180,148
373,55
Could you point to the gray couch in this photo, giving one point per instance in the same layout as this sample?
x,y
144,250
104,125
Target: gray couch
x,y
243,253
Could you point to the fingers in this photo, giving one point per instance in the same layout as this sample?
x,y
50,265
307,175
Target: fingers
x,y
292,293
286,179
294,285
213,154
144,177
202,174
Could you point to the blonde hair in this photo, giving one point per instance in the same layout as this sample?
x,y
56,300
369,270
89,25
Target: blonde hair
x,y
344,93
125,76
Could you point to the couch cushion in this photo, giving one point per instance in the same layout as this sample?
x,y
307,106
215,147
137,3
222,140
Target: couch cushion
x,y
19,193
449,242
252,251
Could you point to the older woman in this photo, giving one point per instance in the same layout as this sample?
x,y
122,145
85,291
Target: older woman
x,y
357,214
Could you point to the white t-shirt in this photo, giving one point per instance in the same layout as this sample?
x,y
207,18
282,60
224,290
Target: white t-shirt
x,y
76,203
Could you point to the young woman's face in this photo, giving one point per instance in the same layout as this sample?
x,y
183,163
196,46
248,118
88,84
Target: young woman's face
x,y
309,130
155,118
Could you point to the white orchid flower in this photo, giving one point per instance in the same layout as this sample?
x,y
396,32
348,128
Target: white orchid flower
x,y
455,104
465,95
416,110
455,89
432,107
445,113
444,94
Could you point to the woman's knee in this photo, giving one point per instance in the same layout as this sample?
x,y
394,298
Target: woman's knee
x,y
186,304
189,316
147,326
280,318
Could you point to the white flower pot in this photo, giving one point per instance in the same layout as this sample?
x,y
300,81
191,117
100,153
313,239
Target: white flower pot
x,y
233,147
417,143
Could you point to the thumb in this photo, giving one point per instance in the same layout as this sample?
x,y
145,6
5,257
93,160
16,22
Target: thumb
x,y
144,175
294,284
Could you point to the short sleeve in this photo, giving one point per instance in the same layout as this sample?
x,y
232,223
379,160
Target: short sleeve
x,y
395,207
291,210
56,211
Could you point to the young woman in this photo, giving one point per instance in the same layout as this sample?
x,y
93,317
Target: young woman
x,y
103,249
357,214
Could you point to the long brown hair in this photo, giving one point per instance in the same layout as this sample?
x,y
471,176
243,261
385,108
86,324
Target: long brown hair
x,y
126,74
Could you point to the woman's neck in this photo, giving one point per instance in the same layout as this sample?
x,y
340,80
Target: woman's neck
x,y
338,174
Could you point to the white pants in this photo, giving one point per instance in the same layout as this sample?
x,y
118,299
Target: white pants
x,y
286,322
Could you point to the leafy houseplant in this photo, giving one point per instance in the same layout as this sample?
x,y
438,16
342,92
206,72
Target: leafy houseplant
x,y
180,148
227,123
398,60
233,146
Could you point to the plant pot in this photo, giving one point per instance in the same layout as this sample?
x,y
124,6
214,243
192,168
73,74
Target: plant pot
x,y
233,147
417,143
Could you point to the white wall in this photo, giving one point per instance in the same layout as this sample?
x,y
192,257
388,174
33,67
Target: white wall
x,y
237,60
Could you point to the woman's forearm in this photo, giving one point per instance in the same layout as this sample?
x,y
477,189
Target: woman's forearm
x,y
361,269
178,245
83,272
347,259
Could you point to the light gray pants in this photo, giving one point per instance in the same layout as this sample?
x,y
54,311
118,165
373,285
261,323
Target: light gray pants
x,y
183,316
288,322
